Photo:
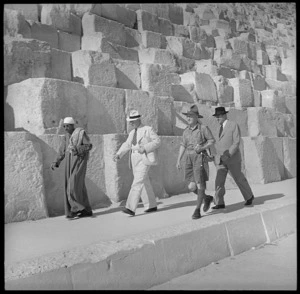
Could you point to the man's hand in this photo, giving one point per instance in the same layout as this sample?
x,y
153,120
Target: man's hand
x,y
116,158
141,150
198,148
225,156
178,165
54,165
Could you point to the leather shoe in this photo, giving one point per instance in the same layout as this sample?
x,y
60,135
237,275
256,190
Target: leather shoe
x,y
196,214
219,206
72,215
249,201
84,213
128,211
207,201
151,209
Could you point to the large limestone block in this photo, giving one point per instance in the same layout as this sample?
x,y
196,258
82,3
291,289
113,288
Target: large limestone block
x,y
24,59
262,57
146,104
165,27
272,99
204,85
290,157
191,19
290,104
157,78
181,31
285,124
261,161
153,55
112,30
260,122
197,34
250,65
147,21
39,104
81,8
224,90
61,65
240,46
165,115
118,13
14,24
128,74
24,184
242,92
68,42
133,38
185,93
158,9
288,66
273,72
61,17
30,11
278,146
207,66
205,12
226,72
44,33
258,82
227,58
184,64
105,110
176,14
286,88
151,39
220,24
93,68
221,43
184,47
257,98
240,116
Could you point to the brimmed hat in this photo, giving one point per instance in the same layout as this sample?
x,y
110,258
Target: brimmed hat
x,y
193,111
133,115
69,121
219,111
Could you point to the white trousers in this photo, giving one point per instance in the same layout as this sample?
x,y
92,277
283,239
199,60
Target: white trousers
x,y
141,186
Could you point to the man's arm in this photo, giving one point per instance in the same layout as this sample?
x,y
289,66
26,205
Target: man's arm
x,y
235,140
154,143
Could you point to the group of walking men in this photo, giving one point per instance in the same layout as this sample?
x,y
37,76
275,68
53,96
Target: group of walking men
x,y
142,143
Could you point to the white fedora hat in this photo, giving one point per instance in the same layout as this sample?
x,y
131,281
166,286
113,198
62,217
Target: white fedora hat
x,y
69,121
133,115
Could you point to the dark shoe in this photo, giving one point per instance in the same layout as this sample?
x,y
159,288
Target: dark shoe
x,y
84,213
207,201
128,211
219,206
196,214
72,215
151,209
249,201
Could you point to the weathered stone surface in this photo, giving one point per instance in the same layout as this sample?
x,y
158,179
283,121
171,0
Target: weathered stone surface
x,y
133,38
14,23
44,33
224,90
147,21
165,115
240,116
81,9
220,24
191,19
68,42
288,65
220,42
61,17
242,91
39,104
286,88
24,184
24,59
278,146
61,65
157,9
206,66
244,74
289,157
256,98
228,58
258,82
273,72
146,104
105,110
151,39
30,11
176,14
262,57
128,74
184,64
197,34
204,85
240,46
165,27
226,72
93,68
118,13
290,104
272,99
260,160
153,55
185,93
181,31
112,30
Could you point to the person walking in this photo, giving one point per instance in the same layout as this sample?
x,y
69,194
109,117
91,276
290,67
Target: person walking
x,y
75,149
142,142
196,140
228,158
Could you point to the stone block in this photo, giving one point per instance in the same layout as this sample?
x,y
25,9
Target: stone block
x,y
256,98
206,66
197,34
244,74
185,93
133,38
81,9
132,6
61,65
252,50
240,116
273,72
119,14
176,14
184,64
286,88
240,46
147,21
204,85
288,66
242,92
24,59
290,157
247,37
220,24
128,74
205,12
262,57
228,58
165,27
154,55
260,160
39,104
151,39
250,65
260,122
278,146
61,17
224,90
291,105
68,42
158,9
272,99
105,110
24,184
146,104
181,31
157,79
226,72
112,30
191,19
258,82
165,115
220,42
93,68
29,11
14,24
44,33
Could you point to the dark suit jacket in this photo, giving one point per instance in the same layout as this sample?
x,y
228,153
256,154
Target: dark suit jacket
x,y
229,143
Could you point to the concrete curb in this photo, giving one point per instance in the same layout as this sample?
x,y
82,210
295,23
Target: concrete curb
x,y
150,259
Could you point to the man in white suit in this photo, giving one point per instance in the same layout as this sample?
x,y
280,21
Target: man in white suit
x,y
142,142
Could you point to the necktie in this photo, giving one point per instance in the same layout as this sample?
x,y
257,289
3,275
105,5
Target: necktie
x,y
134,137
221,130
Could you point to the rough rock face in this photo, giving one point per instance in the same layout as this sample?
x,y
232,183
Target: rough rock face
x,y
95,62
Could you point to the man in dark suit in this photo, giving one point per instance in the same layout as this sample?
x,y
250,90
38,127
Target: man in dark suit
x,y
228,158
